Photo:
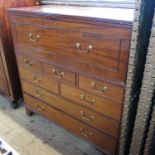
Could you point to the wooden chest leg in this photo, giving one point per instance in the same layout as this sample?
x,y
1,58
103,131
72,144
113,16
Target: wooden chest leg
x,y
14,104
29,112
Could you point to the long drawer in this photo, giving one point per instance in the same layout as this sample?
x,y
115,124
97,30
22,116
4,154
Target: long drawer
x,y
102,28
105,142
107,51
90,117
38,79
101,105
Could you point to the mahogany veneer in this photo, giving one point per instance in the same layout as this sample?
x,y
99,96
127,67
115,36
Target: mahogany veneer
x,y
73,68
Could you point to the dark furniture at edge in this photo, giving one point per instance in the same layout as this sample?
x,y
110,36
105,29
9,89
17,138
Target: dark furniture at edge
x,y
9,78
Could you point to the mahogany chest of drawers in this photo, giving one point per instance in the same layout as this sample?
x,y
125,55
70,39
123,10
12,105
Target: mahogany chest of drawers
x,y
73,68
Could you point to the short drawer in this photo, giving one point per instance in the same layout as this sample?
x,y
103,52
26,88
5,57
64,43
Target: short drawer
x,y
29,62
104,89
59,73
38,79
100,139
90,117
37,91
93,102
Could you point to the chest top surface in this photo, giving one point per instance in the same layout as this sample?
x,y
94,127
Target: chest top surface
x,y
111,14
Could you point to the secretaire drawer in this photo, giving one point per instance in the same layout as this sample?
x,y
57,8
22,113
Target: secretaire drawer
x,y
109,52
38,79
59,73
94,119
107,143
103,106
105,89
29,62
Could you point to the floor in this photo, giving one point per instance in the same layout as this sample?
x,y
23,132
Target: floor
x,y
38,136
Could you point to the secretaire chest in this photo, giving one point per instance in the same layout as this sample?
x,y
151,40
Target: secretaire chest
x,y
73,64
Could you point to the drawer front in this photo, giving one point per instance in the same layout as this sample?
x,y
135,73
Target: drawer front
x,y
101,140
64,41
37,91
59,73
92,118
103,106
38,79
102,89
29,63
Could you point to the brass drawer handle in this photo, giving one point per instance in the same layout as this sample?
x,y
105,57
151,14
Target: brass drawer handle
x,y
103,89
86,133
87,99
87,118
35,79
28,63
40,108
34,38
58,74
38,93
89,48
